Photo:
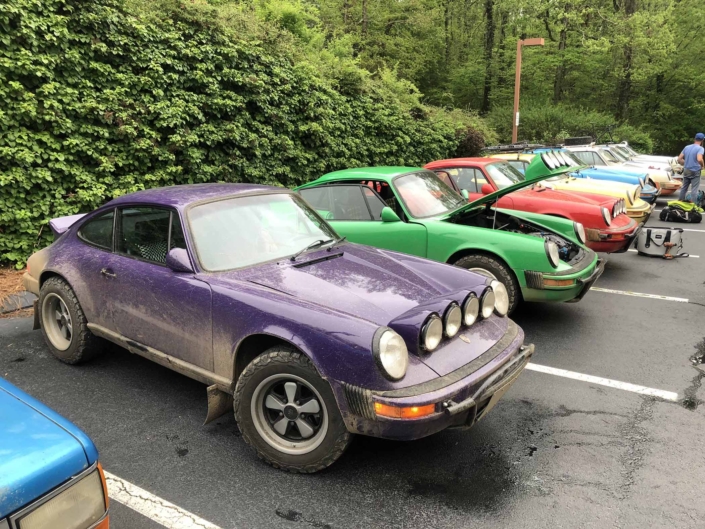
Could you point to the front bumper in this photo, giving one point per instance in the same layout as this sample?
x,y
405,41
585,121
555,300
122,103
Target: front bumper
x,y
640,216
589,281
461,398
650,198
606,242
30,284
670,187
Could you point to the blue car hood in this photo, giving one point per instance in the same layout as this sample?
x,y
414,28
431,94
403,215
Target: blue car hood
x,y
39,449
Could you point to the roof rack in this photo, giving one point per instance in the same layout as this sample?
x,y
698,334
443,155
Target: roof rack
x,y
512,147
579,140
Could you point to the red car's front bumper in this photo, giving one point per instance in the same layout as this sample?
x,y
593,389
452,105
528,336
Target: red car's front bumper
x,y
612,240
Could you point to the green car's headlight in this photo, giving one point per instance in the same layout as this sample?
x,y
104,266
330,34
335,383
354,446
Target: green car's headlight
x,y
432,333
471,309
390,353
79,506
552,252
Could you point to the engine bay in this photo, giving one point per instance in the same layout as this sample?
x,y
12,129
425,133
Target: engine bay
x,y
568,252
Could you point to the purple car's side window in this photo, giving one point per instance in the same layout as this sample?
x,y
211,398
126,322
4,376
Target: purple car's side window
x,y
99,231
144,233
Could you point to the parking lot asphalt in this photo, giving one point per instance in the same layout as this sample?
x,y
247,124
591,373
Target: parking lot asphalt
x,y
555,452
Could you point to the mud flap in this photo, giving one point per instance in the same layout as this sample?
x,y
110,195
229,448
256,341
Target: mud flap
x,y
219,403
36,315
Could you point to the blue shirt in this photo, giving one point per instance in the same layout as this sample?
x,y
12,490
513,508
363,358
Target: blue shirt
x,y
691,157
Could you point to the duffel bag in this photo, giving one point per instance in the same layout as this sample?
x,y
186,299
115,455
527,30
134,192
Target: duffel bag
x,y
677,211
699,201
660,242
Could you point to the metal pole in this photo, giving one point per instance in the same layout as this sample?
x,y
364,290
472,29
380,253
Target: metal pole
x,y
517,85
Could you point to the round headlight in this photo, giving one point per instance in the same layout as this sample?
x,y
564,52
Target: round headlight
x,y
487,303
501,298
390,353
552,252
562,158
556,162
580,232
432,333
452,320
606,216
641,182
471,309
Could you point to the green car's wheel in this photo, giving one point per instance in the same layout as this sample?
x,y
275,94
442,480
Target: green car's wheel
x,y
494,269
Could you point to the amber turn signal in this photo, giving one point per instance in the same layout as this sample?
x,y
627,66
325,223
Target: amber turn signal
x,y
558,282
404,412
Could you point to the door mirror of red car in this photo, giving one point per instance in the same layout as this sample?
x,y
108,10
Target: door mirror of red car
x,y
486,189
177,259
388,215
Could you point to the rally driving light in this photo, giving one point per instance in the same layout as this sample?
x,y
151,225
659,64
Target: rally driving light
x,y
78,507
580,232
471,309
391,354
487,303
432,333
501,298
453,320
606,216
552,251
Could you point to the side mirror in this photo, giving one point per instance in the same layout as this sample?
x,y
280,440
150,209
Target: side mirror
x,y
465,194
177,259
486,189
388,215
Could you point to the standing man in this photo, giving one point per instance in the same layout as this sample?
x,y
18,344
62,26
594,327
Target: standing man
x,y
692,160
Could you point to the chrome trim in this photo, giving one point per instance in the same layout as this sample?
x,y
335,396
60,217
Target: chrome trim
x,y
16,517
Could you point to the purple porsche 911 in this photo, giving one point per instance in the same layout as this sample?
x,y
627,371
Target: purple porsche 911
x,y
309,338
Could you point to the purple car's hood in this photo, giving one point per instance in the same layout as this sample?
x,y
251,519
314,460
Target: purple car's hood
x,y
369,283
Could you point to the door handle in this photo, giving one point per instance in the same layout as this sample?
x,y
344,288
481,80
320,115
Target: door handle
x,y
107,272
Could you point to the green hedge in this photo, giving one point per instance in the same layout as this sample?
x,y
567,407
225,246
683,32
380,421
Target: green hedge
x,y
98,101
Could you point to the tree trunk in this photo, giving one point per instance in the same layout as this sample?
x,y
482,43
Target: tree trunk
x,y
446,21
502,50
346,12
560,69
365,20
489,43
625,85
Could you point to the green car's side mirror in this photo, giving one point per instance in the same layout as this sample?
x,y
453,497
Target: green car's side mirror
x,y
388,215
465,194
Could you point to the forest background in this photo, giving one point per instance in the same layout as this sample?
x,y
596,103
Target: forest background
x,y
105,97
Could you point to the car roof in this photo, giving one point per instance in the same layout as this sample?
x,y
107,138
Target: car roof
x,y
183,195
462,162
365,173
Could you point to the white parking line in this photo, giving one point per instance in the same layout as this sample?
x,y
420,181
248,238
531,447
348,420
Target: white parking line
x,y
689,229
639,294
153,507
691,255
626,386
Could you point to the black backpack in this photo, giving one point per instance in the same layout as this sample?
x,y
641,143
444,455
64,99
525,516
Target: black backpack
x,y
676,214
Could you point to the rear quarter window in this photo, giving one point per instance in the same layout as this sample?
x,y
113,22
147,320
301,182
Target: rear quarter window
x,y
99,231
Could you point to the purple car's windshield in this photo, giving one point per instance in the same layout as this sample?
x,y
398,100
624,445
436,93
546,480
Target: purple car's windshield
x,y
243,231
426,195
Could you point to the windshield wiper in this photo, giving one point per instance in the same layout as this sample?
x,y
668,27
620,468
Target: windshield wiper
x,y
315,244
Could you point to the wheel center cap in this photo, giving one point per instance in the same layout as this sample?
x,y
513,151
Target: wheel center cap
x,y
291,413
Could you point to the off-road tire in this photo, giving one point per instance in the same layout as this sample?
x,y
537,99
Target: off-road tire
x,y
277,360
499,270
84,344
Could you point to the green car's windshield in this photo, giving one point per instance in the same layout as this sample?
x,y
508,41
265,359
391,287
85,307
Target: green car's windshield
x,y
504,175
426,195
243,231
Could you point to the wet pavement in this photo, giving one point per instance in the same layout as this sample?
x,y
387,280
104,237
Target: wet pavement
x,y
554,453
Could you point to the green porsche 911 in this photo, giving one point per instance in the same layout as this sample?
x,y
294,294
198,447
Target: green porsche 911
x,y
411,210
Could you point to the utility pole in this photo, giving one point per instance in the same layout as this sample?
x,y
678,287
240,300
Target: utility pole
x,y
517,83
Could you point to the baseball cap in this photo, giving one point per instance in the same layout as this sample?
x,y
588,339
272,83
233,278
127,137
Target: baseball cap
x,y
700,136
